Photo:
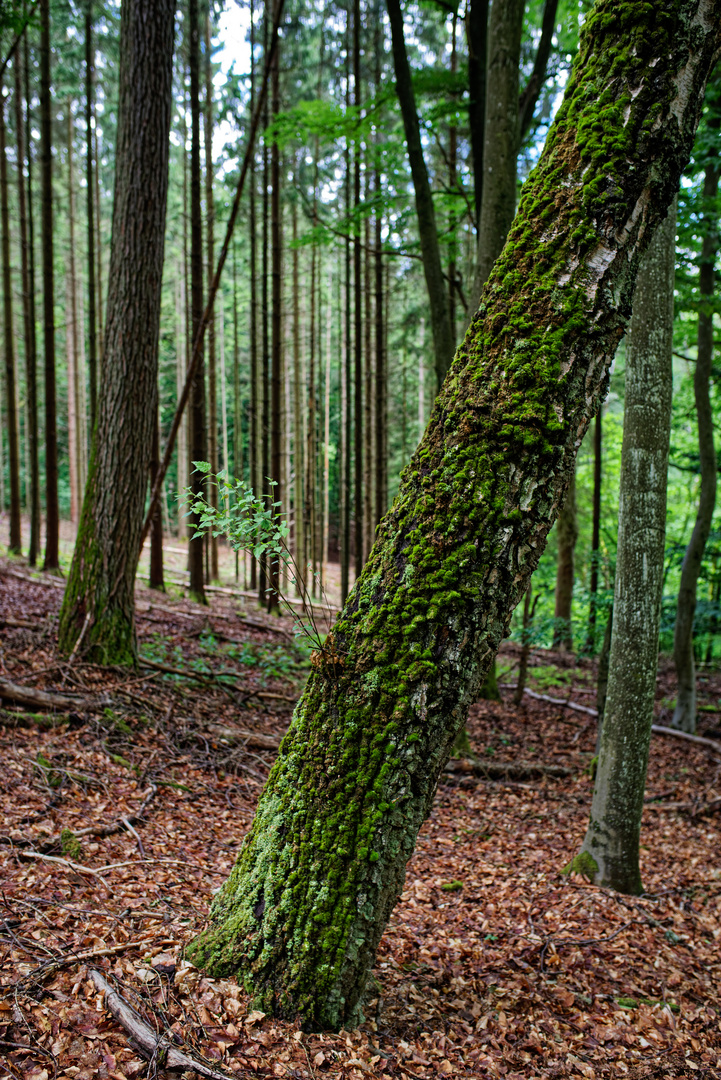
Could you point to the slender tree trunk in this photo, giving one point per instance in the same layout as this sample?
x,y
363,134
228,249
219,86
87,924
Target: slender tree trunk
x,y
212,491
443,343
324,556
500,131
532,90
347,360
238,466
357,314
92,342
22,134
196,424
567,534
75,434
276,419
610,851
156,579
595,532
181,366
301,557
477,36
528,611
310,451
11,409
98,253
684,715
305,906
368,390
452,187
52,512
254,434
265,326
99,597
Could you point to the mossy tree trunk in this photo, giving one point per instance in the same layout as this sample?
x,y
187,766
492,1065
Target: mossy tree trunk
x,y
610,851
566,534
684,715
99,601
300,918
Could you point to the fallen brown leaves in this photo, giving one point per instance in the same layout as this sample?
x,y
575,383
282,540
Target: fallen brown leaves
x,y
493,965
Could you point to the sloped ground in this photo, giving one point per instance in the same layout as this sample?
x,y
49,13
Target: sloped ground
x,y
493,964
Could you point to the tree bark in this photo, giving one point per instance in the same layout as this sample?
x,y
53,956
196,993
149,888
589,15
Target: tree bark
x,y
254,433
357,314
610,851
276,419
684,714
11,408
500,133
196,425
305,906
22,134
52,511
211,491
99,597
92,339
566,534
443,342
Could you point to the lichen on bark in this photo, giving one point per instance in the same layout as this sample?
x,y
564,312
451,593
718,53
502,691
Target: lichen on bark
x,y
300,917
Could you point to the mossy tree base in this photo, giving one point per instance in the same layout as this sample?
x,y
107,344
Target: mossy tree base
x,y
301,915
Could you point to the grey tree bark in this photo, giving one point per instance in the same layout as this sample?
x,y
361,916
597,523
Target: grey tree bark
x,y
610,851
305,906
567,534
99,597
684,715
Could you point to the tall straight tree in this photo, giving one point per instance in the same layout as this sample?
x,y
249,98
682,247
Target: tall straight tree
x,y
357,311
684,714
22,135
443,342
566,535
276,379
90,201
305,906
196,426
52,509
595,531
610,851
99,597
212,492
11,407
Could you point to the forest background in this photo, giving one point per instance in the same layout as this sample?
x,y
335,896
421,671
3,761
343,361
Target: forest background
x,y
332,478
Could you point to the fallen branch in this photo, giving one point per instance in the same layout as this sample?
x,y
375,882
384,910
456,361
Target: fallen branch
x,y
54,582
506,770
208,676
17,624
158,1047
248,738
39,699
562,701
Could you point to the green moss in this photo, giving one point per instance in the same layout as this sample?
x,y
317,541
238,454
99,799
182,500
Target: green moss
x,y
452,886
70,845
52,778
584,864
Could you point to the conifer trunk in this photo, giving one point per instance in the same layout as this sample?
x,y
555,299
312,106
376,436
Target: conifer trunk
x,y
357,315
99,597
276,374
212,491
610,851
52,510
305,906
11,407
89,192
254,427
684,714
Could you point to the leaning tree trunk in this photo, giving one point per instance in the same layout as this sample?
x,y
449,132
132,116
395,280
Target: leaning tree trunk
x,y
99,600
443,341
609,854
306,904
684,715
567,534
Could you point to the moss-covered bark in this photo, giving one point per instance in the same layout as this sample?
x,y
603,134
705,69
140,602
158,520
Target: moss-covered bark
x,y
98,602
612,838
304,908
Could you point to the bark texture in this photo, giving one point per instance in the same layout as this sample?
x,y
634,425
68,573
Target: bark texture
x,y
567,534
102,577
610,851
301,915
684,715
500,133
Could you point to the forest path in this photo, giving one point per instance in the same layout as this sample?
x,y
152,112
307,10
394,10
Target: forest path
x,y
493,963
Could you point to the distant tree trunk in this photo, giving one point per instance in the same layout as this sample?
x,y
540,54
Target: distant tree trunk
x,y
276,416
301,557
368,388
500,131
196,420
156,579
595,533
265,326
254,432
684,715
308,900
357,315
238,467
52,512
99,597
602,683
532,90
76,434
181,366
347,360
528,613
324,557
452,187
92,341
566,534
610,852
22,130
443,343
212,491
309,516
477,34
11,409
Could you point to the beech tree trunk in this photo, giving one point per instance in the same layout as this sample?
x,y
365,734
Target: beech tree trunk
x,y
306,904
567,534
610,851
443,341
99,597
684,715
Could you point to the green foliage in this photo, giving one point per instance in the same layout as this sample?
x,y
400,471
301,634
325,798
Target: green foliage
x,y
70,845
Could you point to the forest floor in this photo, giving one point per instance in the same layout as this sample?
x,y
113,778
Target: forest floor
x,y
493,964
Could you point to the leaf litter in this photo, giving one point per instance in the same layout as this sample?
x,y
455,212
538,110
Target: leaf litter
x,y
121,819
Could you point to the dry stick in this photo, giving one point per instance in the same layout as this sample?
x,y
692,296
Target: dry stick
x,y
27,695
208,313
149,1040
